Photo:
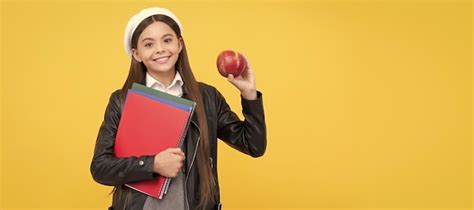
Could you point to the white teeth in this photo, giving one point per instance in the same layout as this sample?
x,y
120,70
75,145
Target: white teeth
x,y
162,60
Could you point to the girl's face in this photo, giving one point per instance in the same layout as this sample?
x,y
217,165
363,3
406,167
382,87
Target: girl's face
x,y
158,48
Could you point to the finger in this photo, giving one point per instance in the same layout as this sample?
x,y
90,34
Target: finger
x,y
230,77
177,151
181,154
249,70
249,65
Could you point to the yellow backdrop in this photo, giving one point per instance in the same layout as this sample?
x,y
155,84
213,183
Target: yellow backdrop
x,y
368,103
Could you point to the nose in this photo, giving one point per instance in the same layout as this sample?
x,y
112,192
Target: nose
x,y
158,49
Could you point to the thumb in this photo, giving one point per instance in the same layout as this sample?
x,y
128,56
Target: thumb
x,y
230,78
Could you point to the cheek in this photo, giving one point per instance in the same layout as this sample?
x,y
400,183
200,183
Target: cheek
x,y
174,48
145,53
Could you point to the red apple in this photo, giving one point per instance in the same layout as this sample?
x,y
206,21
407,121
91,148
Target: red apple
x,y
230,62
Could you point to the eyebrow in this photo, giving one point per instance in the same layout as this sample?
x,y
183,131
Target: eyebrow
x,y
151,39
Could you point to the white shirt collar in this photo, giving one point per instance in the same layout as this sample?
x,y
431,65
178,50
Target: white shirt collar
x,y
175,88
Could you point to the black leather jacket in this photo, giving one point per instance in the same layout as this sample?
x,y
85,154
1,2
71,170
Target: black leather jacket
x,y
248,136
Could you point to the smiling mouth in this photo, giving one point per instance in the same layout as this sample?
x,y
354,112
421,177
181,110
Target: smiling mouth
x,y
162,59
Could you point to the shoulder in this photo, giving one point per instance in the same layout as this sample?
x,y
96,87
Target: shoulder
x,y
116,95
209,91
206,87
211,96
115,98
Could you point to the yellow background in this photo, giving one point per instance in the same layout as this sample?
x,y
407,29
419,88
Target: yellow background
x,y
368,103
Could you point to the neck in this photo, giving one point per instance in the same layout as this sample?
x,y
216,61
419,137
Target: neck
x,y
164,77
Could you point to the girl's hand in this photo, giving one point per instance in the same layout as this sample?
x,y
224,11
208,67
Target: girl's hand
x,y
245,83
169,162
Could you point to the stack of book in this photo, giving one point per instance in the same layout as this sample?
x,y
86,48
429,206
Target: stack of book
x,y
152,121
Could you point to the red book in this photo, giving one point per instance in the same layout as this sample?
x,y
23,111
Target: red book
x,y
149,125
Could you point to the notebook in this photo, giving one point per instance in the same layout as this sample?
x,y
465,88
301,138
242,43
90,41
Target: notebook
x,y
151,121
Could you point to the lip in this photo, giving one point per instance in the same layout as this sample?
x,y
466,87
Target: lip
x,y
162,59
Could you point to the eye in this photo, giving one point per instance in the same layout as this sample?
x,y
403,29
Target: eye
x,y
148,44
168,40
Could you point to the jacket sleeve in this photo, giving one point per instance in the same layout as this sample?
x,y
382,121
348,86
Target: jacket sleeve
x,y
248,136
105,167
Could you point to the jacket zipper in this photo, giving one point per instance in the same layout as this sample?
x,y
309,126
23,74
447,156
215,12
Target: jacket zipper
x,y
191,166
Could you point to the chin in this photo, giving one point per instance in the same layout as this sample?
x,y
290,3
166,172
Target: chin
x,y
160,70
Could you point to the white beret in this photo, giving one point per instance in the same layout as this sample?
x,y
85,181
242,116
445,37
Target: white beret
x,y
138,18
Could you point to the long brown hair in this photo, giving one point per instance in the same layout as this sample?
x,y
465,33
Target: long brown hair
x,y
137,74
